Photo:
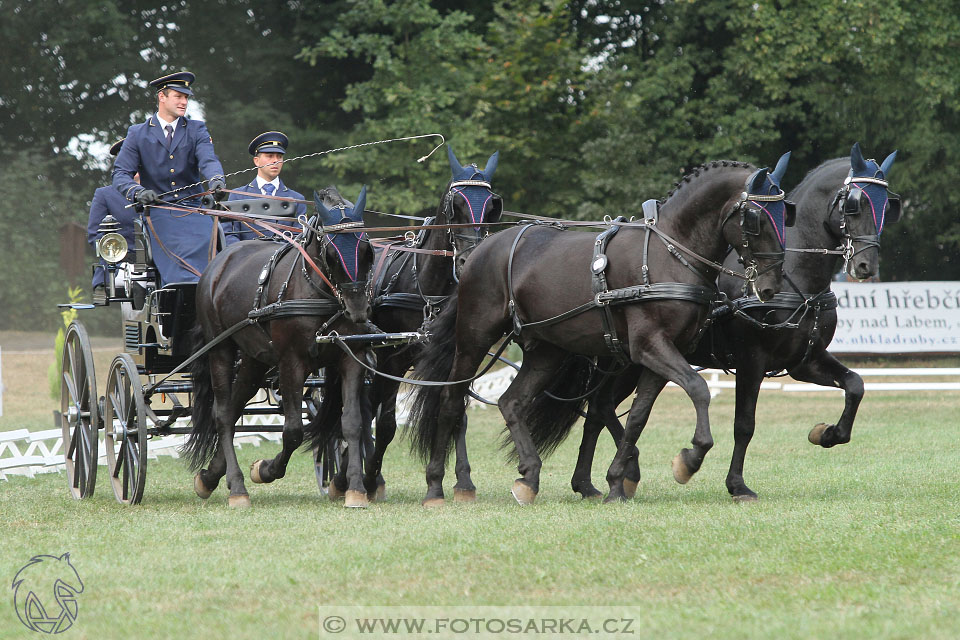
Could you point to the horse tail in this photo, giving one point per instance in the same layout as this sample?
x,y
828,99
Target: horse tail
x,y
553,412
434,363
325,424
203,440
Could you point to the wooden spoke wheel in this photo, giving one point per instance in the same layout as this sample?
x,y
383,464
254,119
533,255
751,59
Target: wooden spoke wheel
x,y
79,417
327,461
125,430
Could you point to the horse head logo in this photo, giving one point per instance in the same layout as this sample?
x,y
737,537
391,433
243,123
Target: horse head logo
x,y
45,593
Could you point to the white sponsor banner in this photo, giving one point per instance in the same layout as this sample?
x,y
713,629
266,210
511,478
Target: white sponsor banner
x,y
897,317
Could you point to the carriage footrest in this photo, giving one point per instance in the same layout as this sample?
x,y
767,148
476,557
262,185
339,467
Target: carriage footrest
x,y
375,339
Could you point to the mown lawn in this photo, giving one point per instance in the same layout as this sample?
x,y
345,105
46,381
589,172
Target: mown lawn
x,y
861,541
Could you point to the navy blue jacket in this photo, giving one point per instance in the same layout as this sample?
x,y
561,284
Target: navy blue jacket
x,y
236,231
107,200
178,238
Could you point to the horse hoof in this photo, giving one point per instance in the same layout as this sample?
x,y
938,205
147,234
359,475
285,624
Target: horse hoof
x,y
378,495
596,495
433,503
745,497
201,488
630,487
681,473
464,495
239,502
333,492
355,499
522,493
816,434
255,471
611,498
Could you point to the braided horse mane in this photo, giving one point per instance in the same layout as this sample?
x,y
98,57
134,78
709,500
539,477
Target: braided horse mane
x,y
702,168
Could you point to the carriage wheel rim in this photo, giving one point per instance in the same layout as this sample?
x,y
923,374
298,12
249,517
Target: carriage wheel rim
x,y
78,412
125,416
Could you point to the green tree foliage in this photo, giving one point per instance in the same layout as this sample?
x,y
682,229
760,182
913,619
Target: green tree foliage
x,y
420,66
595,105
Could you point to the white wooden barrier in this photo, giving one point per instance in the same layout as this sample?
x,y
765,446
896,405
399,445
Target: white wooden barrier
x,y
23,452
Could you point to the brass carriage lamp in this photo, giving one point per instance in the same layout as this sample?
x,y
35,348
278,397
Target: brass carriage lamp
x,y
112,248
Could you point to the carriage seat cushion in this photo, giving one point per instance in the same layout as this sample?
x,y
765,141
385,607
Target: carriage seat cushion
x,y
262,207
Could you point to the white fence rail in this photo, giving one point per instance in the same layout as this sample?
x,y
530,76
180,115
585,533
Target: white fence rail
x,y
23,452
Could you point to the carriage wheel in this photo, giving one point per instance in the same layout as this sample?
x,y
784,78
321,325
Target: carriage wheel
x,y
125,430
79,418
327,463
326,460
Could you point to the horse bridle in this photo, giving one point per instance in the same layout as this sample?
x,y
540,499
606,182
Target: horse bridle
x,y
848,202
324,237
750,226
471,240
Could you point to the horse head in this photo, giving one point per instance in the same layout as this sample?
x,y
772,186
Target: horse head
x,y
469,199
346,256
763,216
865,205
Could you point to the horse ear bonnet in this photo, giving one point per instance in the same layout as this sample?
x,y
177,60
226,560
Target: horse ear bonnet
x,y
491,167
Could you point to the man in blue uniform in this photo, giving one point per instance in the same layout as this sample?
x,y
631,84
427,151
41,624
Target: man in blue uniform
x,y
267,150
173,154
108,201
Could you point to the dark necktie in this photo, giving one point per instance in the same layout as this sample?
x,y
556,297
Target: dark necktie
x,y
169,139
268,189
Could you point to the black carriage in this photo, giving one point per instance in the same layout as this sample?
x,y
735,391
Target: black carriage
x,y
147,389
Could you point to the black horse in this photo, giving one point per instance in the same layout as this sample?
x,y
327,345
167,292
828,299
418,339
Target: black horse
x,y
410,288
297,290
842,207
555,294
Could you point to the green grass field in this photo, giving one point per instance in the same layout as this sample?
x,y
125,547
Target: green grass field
x,y
860,541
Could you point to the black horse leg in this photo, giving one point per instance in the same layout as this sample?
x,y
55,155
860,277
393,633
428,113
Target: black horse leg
x,y
825,370
464,490
227,406
238,393
352,427
539,366
382,399
648,388
744,424
293,373
664,359
592,426
601,412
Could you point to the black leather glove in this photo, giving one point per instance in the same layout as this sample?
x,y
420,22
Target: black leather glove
x,y
146,196
217,185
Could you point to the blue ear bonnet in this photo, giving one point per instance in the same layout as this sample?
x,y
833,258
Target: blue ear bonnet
x,y
347,245
875,194
763,182
478,197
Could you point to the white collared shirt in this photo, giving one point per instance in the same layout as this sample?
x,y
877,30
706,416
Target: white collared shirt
x,y
164,123
275,182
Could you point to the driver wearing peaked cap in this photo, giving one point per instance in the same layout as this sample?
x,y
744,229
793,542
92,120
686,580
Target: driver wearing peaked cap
x,y
173,155
267,150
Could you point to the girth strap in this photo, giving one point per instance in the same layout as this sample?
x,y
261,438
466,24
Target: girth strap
x,y
598,267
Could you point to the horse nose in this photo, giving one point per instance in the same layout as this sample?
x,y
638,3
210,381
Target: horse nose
x,y
862,269
358,314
